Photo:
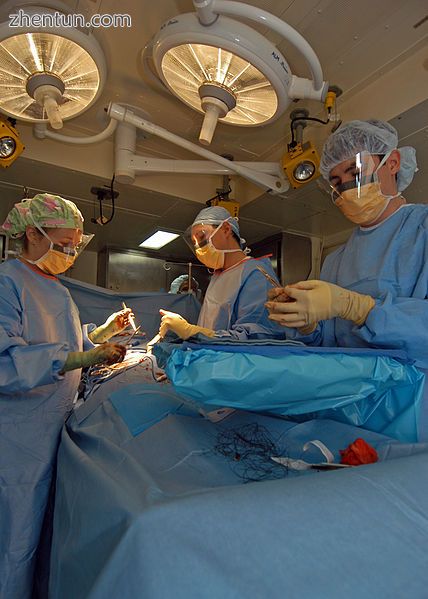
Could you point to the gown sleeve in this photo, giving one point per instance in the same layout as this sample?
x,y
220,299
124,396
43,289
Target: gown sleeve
x,y
250,314
24,366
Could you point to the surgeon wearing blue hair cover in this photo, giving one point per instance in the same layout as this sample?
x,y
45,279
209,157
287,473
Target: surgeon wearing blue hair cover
x,y
234,301
373,290
181,285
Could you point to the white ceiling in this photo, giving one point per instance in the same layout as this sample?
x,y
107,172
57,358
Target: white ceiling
x,y
370,49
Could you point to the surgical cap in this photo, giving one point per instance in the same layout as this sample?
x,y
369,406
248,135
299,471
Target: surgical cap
x,y
373,136
215,215
44,210
177,283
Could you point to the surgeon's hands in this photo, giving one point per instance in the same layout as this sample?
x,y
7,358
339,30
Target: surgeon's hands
x,y
303,304
278,294
107,353
114,324
174,322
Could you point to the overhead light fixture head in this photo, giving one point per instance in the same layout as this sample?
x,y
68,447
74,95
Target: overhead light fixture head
x,y
48,73
10,144
301,164
206,48
227,61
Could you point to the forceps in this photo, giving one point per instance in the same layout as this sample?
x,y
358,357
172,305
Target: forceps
x,y
127,342
269,278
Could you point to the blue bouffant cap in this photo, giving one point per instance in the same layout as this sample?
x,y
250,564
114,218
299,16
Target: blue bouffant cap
x,y
373,136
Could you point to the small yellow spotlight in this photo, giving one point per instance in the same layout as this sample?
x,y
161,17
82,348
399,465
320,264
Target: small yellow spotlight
x,y
301,164
230,205
10,144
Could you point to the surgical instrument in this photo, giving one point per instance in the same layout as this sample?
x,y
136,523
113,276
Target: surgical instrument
x,y
127,342
271,280
130,318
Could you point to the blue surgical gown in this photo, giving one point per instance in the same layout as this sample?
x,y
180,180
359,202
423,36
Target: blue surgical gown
x,y
39,325
234,304
390,263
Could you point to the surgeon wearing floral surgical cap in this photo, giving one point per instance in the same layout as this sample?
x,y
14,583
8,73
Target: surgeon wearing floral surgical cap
x,y
41,357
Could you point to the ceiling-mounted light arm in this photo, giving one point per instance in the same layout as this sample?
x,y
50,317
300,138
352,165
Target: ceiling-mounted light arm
x,y
141,165
208,11
41,132
267,174
267,182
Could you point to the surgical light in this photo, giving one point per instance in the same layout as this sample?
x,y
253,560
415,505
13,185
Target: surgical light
x,y
7,147
48,72
158,240
304,171
227,70
10,144
301,164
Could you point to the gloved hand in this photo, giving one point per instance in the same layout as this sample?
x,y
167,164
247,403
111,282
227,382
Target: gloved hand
x,y
107,353
176,323
114,324
278,294
317,300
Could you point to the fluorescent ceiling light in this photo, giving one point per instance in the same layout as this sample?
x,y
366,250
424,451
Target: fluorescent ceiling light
x,y
158,240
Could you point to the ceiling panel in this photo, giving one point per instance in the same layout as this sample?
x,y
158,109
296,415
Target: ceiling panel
x,y
276,211
123,231
181,215
322,224
253,231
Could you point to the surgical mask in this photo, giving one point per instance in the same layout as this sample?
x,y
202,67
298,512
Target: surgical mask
x,y
364,206
211,256
59,258
54,261
363,202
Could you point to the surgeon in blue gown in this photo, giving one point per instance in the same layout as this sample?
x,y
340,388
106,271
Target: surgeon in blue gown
x,y
234,301
373,290
41,356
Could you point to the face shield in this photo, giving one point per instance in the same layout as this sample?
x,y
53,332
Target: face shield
x,y
71,249
60,257
353,174
198,236
355,189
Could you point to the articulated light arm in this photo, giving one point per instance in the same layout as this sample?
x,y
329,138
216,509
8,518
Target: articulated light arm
x,y
271,183
208,11
145,164
41,131
268,175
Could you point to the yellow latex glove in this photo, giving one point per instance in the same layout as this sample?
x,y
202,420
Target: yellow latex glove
x,y
278,294
312,301
179,325
114,324
107,353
